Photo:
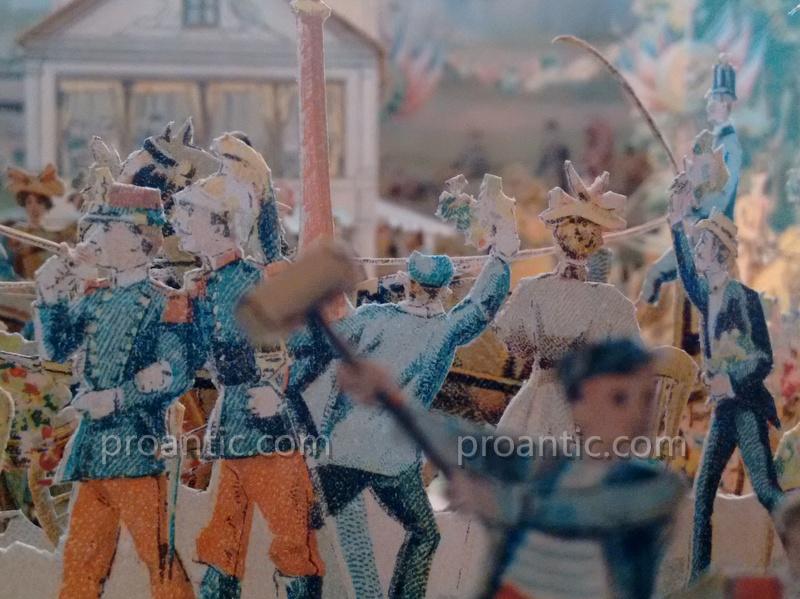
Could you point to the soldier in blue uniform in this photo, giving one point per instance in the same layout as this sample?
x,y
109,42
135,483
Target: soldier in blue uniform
x,y
417,340
252,431
720,101
737,357
135,367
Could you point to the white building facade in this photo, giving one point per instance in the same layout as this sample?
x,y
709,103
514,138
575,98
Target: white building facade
x,y
122,69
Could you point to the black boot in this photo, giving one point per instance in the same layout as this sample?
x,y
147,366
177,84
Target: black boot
x,y
218,585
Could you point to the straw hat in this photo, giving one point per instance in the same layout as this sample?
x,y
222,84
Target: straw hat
x,y
723,229
46,183
594,203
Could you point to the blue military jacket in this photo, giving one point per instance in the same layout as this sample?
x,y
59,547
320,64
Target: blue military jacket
x,y
418,349
234,430
121,330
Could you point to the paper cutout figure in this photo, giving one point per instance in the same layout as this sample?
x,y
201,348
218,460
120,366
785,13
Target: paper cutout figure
x,y
104,156
721,99
455,205
35,193
486,222
568,526
737,357
248,179
136,365
551,314
417,340
251,416
169,162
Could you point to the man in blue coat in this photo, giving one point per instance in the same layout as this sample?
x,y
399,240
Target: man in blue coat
x,y
135,366
252,431
737,358
720,101
417,340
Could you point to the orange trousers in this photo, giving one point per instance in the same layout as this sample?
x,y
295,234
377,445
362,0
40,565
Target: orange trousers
x,y
99,509
280,486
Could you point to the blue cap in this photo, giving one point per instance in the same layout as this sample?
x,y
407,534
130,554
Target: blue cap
x,y
431,271
724,79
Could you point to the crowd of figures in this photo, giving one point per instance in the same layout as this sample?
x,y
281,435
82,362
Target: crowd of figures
x,y
169,242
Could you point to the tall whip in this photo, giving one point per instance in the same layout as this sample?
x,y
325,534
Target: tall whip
x,y
620,78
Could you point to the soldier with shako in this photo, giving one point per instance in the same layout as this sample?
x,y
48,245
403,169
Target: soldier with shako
x,y
135,367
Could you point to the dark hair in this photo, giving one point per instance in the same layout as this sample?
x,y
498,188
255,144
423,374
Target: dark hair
x,y
41,198
150,176
610,357
241,136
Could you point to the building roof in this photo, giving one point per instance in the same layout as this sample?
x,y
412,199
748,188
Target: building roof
x,y
68,12
16,17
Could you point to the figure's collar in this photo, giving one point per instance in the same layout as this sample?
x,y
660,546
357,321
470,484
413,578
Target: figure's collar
x,y
421,308
572,269
129,277
221,260
724,129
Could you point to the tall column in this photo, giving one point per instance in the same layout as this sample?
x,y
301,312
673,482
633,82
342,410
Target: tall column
x,y
33,115
316,211
316,216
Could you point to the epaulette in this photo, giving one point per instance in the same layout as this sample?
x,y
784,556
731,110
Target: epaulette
x,y
195,283
275,268
177,307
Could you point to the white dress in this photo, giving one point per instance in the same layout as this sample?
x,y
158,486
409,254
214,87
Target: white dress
x,y
546,317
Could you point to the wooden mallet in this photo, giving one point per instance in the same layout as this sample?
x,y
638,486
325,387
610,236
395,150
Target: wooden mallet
x,y
298,296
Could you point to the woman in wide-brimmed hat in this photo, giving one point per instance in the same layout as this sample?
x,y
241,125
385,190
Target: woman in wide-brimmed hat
x,y
551,314
35,193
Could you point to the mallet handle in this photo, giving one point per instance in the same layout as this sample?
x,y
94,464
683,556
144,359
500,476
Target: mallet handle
x,y
399,411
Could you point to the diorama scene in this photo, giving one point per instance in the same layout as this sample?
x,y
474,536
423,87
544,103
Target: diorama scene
x,y
403,299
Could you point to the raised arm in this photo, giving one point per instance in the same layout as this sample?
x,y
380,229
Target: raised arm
x,y
470,317
733,162
59,320
270,232
695,287
60,327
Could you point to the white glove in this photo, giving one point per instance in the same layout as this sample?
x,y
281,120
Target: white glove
x,y
56,279
155,377
264,401
98,404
